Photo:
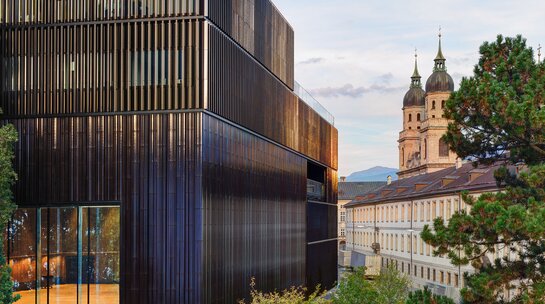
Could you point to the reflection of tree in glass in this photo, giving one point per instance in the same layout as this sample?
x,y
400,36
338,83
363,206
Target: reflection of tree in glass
x,y
61,242
22,248
21,232
104,240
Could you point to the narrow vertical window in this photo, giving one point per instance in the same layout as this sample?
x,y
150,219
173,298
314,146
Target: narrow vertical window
x,y
180,64
153,61
160,66
425,149
166,58
443,148
145,71
131,68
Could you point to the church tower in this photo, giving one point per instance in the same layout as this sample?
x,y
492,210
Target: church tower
x,y
433,153
413,115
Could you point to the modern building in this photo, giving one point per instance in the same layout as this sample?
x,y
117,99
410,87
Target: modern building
x,y
166,154
421,149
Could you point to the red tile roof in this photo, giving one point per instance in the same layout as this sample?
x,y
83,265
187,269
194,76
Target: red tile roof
x,y
431,184
351,190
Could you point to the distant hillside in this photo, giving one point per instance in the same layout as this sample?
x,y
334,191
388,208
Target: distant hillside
x,y
375,174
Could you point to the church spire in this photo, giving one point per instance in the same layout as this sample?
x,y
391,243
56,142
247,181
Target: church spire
x,y
440,59
416,78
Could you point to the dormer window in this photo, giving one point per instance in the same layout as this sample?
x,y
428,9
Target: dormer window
x,y
476,173
445,181
420,186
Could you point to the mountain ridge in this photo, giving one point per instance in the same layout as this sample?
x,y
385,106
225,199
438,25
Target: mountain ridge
x,y
374,174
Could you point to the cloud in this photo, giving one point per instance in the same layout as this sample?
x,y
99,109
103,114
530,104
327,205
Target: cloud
x,y
376,38
385,78
348,90
462,60
312,60
459,76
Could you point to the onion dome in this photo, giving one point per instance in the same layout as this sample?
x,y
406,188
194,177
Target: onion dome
x,y
440,80
415,97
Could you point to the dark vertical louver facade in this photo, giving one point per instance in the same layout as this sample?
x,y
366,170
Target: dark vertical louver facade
x,y
182,112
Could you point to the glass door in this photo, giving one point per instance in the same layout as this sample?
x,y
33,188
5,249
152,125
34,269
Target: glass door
x,y
65,255
101,255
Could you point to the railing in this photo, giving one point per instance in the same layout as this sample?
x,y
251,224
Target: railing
x,y
313,103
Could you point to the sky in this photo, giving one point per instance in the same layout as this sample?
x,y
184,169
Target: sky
x,y
356,58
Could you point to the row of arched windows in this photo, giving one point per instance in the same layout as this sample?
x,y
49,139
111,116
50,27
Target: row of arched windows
x,y
443,149
418,117
443,103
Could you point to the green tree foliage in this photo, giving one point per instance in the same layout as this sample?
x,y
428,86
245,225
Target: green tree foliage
x,y
390,287
355,288
294,295
499,110
8,136
426,297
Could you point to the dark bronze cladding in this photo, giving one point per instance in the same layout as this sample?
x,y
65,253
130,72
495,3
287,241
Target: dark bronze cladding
x,y
255,25
260,29
182,113
244,92
153,65
105,67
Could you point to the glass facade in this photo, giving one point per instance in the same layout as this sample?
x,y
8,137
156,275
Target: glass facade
x,y
65,255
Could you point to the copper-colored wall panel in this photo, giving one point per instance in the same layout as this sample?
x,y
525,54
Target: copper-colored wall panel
x,y
322,264
259,27
243,91
105,67
151,66
255,24
254,206
24,12
185,117
205,205
148,163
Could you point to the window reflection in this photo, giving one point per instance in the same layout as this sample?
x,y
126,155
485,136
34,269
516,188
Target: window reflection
x,y
101,254
59,254
22,254
47,265
18,11
146,68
